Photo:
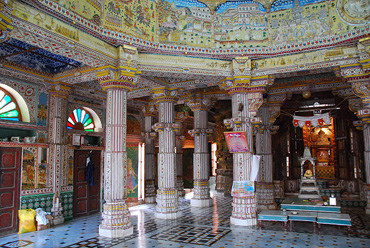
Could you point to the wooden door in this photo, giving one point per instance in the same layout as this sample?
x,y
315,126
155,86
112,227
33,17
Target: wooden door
x,y
86,198
9,188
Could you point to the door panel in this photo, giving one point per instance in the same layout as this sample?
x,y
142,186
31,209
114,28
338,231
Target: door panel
x,y
9,188
86,197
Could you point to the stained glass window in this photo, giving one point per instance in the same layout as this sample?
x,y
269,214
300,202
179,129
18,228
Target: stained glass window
x,y
80,119
9,109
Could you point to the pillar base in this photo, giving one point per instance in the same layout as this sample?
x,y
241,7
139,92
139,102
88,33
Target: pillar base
x,y
201,203
243,222
368,211
58,220
168,216
116,221
150,200
115,233
181,192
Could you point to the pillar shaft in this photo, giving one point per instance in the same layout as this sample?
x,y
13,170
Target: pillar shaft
x,y
149,155
180,181
265,186
244,208
364,114
201,160
117,82
167,197
116,217
200,104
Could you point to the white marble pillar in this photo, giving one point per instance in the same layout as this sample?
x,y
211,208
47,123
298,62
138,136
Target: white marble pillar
x,y
116,216
180,181
167,197
149,136
201,167
57,144
117,82
246,96
265,185
364,115
244,207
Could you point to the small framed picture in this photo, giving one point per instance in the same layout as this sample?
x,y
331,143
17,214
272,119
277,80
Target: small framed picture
x,y
76,139
14,139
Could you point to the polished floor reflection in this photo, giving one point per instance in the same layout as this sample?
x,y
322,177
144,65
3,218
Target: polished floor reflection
x,y
198,227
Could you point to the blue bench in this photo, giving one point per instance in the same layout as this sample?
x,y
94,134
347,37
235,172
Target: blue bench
x,y
334,219
273,215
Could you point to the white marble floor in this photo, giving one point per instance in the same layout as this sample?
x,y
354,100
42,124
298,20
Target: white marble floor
x,y
198,227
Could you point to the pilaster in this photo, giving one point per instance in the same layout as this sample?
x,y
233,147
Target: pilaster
x,y
167,197
117,82
200,104
149,112
247,97
57,143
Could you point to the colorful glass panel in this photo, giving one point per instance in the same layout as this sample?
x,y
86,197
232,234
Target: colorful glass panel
x,y
80,119
8,107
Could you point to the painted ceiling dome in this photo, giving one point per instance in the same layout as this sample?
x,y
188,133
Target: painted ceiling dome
x,y
207,27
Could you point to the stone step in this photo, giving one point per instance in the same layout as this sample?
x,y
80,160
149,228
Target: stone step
x,y
309,196
308,188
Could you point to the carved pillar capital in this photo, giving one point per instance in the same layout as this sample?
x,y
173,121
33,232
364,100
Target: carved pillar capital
x,y
199,101
274,103
60,89
121,77
364,115
362,90
149,110
164,94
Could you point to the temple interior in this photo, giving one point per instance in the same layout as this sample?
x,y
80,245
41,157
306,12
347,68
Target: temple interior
x,y
185,123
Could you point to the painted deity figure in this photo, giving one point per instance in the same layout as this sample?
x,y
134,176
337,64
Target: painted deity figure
x,y
131,177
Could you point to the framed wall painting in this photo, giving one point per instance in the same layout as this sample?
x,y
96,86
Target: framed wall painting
x,y
237,142
242,188
76,139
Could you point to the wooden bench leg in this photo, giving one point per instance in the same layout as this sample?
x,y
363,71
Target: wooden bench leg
x,y
291,225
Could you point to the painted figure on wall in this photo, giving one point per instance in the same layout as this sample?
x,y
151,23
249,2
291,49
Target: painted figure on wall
x,y
132,172
41,176
131,177
42,109
28,170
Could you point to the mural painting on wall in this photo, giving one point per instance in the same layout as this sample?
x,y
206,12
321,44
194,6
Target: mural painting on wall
x,y
133,125
28,170
135,17
41,137
70,170
41,176
42,110
90,9
354,11
132,172
187,167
